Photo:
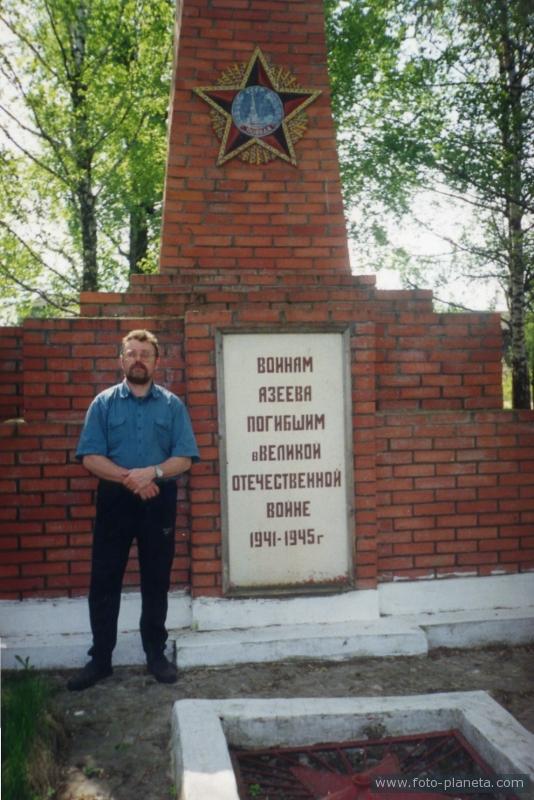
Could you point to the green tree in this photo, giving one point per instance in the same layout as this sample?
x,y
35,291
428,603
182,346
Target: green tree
x,y
439,96
83,127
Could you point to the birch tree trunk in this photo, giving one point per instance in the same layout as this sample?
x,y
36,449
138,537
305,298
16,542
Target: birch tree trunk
x,y
83,152
511,123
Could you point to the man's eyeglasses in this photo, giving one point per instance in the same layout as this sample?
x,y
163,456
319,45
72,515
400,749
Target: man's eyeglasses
x,y
133,355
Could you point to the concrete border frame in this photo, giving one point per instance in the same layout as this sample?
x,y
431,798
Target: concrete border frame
x,y
203,729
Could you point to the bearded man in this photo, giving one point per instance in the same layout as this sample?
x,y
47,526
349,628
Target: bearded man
x,y
137,438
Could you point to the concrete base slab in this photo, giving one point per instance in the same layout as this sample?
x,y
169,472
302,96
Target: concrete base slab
x,y
456,594
334,642
387,636
65,652
463,612
220,613
64,615
55,634
476,628
202,772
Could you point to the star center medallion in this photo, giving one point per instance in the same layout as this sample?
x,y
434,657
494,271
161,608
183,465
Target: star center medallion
x,y
257,112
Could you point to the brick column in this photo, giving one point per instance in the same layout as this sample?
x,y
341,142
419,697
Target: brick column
x,y
271,217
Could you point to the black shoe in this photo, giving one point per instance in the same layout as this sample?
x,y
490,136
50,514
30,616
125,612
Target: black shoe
x,y
88,676
162,669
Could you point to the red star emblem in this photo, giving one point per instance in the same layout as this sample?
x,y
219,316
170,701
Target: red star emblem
x,y
355,786
258,111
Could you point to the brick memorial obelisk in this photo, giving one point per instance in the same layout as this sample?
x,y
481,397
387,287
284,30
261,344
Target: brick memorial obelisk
x,y
253,200
273,202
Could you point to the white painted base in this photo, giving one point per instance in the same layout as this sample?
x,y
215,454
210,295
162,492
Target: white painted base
x,y
463,612
67,616
210,614
333,642
202,772
476,628
65,652
55,634
456,594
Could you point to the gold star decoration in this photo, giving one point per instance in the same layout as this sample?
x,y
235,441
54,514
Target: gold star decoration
x,y
257,111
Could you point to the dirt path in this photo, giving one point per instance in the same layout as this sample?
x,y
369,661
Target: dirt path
x,y
120,729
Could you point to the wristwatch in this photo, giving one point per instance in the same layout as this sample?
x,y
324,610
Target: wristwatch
x,y
159,473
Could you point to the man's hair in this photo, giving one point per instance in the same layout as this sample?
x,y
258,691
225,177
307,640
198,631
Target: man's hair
x,y
141,335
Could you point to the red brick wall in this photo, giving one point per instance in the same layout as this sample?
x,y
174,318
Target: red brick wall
x,y
438,361
424,360
46,497
10,373
455,493
444,481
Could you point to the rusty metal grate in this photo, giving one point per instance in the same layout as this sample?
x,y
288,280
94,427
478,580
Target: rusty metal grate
x,y
348,770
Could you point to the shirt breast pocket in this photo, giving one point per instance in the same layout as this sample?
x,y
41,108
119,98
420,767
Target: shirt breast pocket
x,y
116,432
162,430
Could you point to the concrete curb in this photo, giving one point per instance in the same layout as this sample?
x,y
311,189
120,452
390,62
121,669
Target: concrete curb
x,y
202,772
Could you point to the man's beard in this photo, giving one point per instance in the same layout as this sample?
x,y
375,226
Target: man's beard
x,y
136,378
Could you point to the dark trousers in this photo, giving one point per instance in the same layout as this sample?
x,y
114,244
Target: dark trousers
x,y
122,517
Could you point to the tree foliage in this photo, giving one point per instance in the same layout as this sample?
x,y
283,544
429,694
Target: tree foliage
x,y
82,150
437,95
430,96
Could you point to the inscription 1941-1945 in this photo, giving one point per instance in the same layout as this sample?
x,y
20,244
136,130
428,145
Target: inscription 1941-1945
x,y
289,538
286,524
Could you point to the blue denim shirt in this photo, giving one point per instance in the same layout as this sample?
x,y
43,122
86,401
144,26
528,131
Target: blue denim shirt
x,y
137,431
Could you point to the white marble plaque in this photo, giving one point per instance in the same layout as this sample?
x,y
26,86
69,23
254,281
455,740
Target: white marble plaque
x,y
284,402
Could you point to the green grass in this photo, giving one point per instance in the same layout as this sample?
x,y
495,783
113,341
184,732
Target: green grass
x,y
29,737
